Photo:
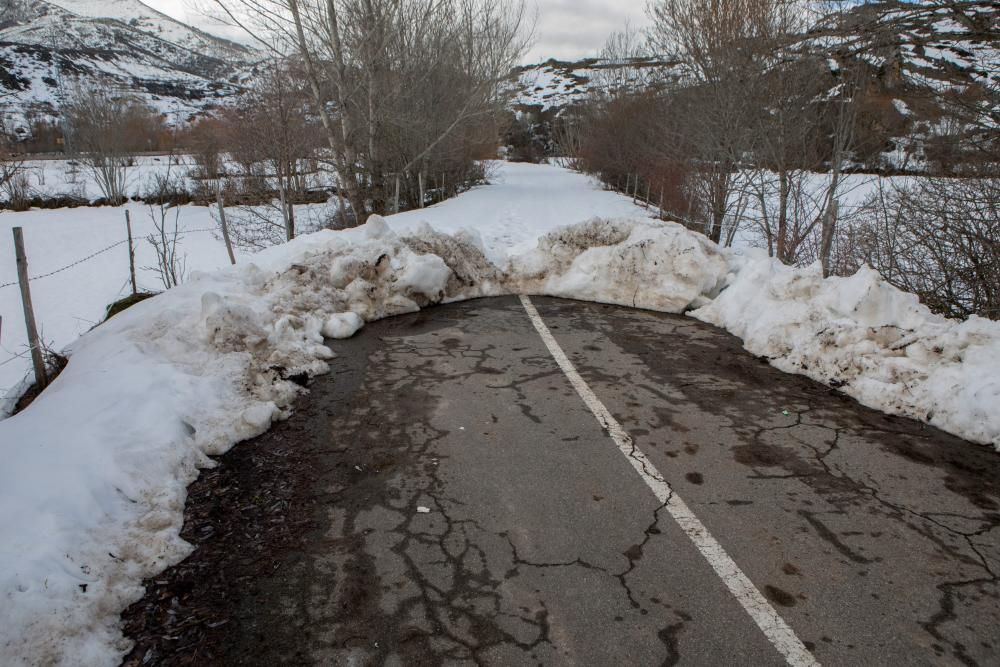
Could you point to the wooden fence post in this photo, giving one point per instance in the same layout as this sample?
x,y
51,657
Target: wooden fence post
x,y
37,360
131,252
662,192
395,206
222,221
420,179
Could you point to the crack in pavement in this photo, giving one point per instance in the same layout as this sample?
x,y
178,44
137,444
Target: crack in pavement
x,y
312,547
795,444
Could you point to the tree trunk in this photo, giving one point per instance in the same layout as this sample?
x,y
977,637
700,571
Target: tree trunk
x,y
829,227
344,154
783,254
720,196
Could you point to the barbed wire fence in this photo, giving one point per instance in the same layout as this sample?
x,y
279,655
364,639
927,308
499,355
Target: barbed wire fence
x,y
99,252
34,346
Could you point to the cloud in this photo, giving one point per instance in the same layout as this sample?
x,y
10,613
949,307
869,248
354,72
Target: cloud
x,y
572,29
566,29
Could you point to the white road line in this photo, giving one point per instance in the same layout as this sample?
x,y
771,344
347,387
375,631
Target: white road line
x,y
755,604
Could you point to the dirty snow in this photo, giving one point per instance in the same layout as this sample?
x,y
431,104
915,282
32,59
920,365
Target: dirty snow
x,y
868,339
93,485
644,264
94,477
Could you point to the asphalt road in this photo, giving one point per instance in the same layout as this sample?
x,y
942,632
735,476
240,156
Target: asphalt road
x,y
447,496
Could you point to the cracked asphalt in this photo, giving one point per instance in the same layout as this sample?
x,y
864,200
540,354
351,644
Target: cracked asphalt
x,y
874,537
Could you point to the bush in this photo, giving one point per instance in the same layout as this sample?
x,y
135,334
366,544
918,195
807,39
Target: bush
x,y
938,238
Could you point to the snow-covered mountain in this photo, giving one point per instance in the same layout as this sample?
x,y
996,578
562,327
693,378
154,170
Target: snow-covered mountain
x,y
182,71
46,45
931,78
913,45
556,84
114,24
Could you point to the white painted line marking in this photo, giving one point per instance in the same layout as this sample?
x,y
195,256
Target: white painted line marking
x,y
739,584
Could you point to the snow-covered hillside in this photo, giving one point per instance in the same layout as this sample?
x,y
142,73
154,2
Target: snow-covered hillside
x,y
107,24
177,69
943,45
908,53
146,19
555,85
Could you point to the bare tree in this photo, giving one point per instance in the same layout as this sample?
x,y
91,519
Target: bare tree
x,y
725,49
207,140
105,129
13,177
392,81
171,266
274,148
939,238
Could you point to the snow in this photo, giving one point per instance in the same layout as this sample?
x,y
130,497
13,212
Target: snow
x,y
70,303
95,471
142,17
178,70
868,339
657,266
524,202
52,178
342,325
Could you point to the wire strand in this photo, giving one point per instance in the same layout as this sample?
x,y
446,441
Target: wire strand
x,y
100,252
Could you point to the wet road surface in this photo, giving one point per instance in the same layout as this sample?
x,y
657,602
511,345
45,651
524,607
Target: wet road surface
x,y
445,496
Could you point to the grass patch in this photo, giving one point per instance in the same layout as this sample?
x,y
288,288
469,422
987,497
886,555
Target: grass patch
x,y
54,364
126,303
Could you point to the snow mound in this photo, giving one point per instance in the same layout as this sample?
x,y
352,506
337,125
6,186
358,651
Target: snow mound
x,y
342,325
95,472
869,340
656,266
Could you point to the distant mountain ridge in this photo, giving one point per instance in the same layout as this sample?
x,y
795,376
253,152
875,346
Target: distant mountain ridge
x,y
108,23
182,71
47,44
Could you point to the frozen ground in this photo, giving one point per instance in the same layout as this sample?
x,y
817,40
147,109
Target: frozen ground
x,y
52,178
93,485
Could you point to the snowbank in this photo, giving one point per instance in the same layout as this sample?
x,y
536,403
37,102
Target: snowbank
x,y
93,483
95,472
522,202
868,339
651,265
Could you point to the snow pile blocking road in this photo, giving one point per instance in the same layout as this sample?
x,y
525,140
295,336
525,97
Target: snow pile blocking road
x,y
656,266
868,339
94,478
93,483
93,486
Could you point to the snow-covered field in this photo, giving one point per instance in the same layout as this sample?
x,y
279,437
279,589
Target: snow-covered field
x,y
93,483
57,177
71,302
61,177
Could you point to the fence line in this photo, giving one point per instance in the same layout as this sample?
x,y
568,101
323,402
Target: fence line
x,y
22,355
101,252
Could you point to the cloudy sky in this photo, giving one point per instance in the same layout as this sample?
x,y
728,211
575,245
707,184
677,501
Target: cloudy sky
x,y
571,29
566,29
